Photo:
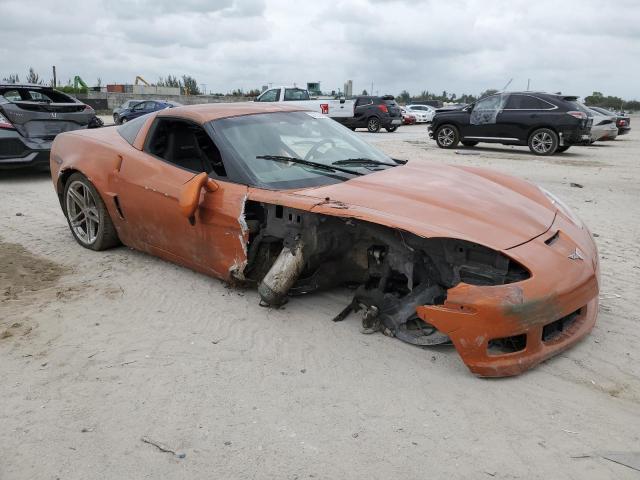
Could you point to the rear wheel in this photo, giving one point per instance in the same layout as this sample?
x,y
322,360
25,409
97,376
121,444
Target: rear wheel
x,y
543,142
469,143
116,118
373,125
87,215
447,136
564,148
391,129
124,120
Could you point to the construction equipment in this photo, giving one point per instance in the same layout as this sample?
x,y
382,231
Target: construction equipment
x,y
140,79
78,82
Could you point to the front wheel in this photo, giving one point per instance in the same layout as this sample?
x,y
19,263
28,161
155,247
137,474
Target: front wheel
x,y
116,118
391,129
543,141
124,120
373,125
563,148
447,136
87,214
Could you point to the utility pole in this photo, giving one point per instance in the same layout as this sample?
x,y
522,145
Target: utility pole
x,y
55,84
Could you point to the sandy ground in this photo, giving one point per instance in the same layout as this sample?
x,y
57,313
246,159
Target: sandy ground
x,y
100,349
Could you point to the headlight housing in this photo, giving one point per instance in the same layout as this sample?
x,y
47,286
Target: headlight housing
x,y
563,207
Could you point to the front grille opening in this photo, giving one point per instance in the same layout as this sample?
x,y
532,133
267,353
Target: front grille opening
x,y
554,330
506,345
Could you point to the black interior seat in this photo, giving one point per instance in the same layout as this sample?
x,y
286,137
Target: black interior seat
x,y
183,149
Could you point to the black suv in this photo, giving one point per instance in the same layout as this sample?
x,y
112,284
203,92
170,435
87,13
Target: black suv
x,y
374,113
547,123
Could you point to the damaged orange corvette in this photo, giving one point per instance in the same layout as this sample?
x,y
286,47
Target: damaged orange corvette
x,y
293,202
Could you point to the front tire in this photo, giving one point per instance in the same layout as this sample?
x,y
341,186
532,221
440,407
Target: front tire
x,y
373,125
124,120
116,118
543,141
391,129
447,136
87,214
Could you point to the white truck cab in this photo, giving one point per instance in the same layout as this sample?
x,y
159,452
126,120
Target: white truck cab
x,y
300,97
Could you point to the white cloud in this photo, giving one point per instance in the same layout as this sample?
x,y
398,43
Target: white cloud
x,y
462,46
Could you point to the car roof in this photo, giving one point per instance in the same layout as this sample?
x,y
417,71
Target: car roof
x,y
207,112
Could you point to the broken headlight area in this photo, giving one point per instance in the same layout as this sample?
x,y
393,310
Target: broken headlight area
x,y
292,252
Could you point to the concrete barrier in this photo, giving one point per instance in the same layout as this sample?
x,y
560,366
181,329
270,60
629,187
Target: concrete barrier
x,y
114,100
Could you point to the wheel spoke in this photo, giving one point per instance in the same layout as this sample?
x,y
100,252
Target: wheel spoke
x,y
77,198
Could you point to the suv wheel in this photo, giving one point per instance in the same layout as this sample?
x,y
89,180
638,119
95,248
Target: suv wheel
x,y
373,125
447,136
543,142
391,129
124,120
116,118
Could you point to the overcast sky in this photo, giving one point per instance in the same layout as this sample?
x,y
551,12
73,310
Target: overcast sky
x,y
461,46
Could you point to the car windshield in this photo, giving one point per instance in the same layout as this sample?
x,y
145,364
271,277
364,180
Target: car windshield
x,y
262,142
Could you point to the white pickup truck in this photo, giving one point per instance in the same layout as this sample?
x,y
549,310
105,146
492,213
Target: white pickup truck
x,y
298,96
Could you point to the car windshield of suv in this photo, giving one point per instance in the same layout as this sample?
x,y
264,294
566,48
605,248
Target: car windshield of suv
x,y
307,136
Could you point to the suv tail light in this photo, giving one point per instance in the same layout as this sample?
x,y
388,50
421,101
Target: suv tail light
x,y
622,122
383,108
576,114
4,123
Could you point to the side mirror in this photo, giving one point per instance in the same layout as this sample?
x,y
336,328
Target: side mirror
x,y
190,194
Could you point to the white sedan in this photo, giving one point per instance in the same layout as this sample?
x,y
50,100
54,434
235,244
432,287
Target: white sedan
x,y
423,113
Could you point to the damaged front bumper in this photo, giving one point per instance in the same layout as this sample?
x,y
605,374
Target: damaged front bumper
x,y
507,329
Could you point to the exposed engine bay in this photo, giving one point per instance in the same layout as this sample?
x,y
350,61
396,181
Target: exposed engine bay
x,y
294,252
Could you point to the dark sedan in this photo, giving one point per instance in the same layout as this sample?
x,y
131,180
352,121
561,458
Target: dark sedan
x,y
30,118
142,108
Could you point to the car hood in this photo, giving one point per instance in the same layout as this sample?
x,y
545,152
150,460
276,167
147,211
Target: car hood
x,y
435,200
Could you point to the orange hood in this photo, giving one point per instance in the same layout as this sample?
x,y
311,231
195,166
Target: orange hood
x,y
437,200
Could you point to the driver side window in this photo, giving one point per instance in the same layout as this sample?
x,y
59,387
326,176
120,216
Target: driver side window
x,y
270,96
185,145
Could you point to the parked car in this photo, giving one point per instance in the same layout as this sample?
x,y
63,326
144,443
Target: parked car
x,y
423,113
30,118
125,106
547,123
143,108
334,108
293,203
374,113
407,118
623,121
604,126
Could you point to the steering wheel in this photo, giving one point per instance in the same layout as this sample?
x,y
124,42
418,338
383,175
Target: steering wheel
x,y
313,150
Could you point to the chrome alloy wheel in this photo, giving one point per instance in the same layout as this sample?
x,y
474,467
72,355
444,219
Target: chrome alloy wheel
x,y
542,142
446,136
82,212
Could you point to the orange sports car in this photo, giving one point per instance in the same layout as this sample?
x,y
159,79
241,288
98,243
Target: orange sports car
x,y
293,202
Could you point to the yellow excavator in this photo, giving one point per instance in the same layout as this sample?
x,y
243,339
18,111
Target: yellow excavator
x,y
140,79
